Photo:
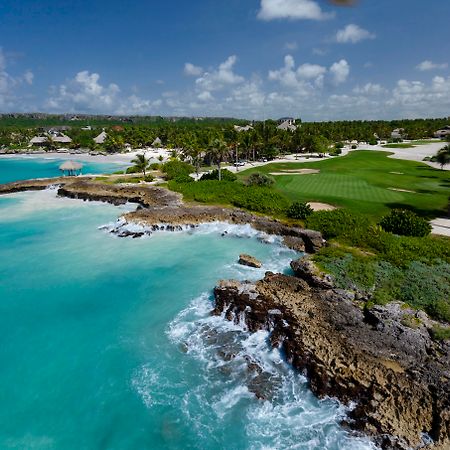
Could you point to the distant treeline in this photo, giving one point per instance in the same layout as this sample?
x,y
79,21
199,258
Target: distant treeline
x,y
260,139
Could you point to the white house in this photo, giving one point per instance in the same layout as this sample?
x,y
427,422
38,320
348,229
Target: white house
x,y
398,133
245,128
101,138
443,133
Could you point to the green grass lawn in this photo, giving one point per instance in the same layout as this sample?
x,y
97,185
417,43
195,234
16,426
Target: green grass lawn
x,y
361,180
425,142
398,146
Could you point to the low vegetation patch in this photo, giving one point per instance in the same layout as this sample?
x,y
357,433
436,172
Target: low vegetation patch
x,y
254,198
385,266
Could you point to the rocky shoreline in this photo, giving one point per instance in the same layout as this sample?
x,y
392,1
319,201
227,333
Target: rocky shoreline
x,y
159,208
396,373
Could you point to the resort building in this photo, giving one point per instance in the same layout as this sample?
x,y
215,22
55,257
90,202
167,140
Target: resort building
x,y
398,133
245,128
101,138
52,136
287,124
443,133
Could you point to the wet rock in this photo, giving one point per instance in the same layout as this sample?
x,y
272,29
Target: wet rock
x,y
305,269
250,261
397,375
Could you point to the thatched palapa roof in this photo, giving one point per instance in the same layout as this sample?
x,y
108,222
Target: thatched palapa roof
x,y
70,166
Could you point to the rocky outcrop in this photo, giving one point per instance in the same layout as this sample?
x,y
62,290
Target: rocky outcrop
x,y
397,375
250,261
164,209
146,196
305,269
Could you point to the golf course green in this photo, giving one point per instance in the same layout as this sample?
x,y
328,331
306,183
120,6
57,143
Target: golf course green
x,y
367,182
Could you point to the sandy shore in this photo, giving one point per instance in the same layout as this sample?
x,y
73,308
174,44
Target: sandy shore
x,y
116,158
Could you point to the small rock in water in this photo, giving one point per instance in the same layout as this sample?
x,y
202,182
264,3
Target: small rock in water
x,y
247,260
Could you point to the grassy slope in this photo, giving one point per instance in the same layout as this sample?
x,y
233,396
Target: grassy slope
x,y
360,182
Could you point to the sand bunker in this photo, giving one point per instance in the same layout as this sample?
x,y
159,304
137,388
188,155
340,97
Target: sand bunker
x,y
321,206
402,190
296,172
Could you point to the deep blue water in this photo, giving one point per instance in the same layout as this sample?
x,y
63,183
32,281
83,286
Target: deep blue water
x,y
24,167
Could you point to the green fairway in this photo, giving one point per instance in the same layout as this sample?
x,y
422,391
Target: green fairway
x,y
363,181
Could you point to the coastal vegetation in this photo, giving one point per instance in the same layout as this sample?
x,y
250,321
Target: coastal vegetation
x,y
384,266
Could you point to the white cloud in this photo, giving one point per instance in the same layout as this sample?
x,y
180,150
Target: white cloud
x,y
307,78
340,71
291,9
205,96
192,70
429,65
85,93
352,34
10,85
370,89
291,45
28,77
309,71
219,78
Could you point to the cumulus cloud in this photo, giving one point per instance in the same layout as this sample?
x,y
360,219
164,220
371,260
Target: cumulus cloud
x,y
370,89
291,45
11,84
430,65
28,77
307,78
352,34
219,78
85,93
340,71
291,9
192,70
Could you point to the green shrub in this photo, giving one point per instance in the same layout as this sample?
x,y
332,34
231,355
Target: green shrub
x,y
336,151
132,169
155,166
440,333
183,179
225,174
176,168
373,141
260,179
405,223
253,198
299,211
339,222
354,147
339,145
149,178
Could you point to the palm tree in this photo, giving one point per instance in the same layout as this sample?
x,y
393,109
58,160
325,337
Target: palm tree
x,y
443,156
218,148
141,163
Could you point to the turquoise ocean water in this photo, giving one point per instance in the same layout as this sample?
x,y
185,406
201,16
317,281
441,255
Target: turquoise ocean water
x,y
24,167
107,343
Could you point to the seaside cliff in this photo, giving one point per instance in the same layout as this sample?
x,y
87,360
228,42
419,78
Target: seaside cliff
x,y
398,377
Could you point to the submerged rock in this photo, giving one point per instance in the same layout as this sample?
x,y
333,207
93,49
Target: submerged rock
x,y
397,375
247,260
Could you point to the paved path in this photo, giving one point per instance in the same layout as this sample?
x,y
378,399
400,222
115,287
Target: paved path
x,y
441,226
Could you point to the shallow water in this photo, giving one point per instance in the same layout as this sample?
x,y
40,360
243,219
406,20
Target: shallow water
x,y
108,342
25,167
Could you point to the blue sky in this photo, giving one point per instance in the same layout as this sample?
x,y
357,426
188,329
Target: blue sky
x,y
242,58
